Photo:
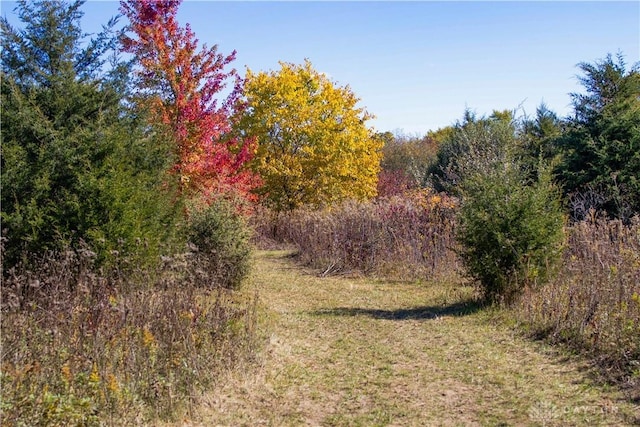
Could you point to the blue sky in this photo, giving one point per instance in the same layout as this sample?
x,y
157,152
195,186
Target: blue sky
x,y
417,65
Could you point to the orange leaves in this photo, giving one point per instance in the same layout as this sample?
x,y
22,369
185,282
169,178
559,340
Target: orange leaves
x,y
182,85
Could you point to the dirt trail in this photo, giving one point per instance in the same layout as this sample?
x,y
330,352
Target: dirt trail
x,y
359,352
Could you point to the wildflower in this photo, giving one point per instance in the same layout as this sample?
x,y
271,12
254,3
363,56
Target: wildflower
x,y
147,338
66,372
112,383
94,378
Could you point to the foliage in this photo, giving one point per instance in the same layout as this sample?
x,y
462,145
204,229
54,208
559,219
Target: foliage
x,y
90,347
440,135
509,225
75,164
127,342
486,138
510,230
600,151
182,87
537,136
404,236
313,145
393,182
404,161
221,240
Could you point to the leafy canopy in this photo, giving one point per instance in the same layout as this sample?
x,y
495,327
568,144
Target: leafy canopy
x,y
313,144
181,85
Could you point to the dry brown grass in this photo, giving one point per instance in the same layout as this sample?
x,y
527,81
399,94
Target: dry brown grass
x,y
345,351
407,237
593,304
87,347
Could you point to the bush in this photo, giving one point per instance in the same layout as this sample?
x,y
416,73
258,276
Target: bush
x,y
220,238
77,162
511,231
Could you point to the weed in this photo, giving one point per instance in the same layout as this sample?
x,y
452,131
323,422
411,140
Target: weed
x,y
82,346
593,303
407,237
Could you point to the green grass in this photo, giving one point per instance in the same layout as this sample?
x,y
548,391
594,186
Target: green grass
x,y
343,351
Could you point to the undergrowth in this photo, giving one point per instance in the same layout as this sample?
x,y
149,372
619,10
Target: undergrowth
x,y
82,346
593,303
406,237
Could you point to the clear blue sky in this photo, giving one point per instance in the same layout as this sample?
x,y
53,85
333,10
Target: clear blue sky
x,y
417,65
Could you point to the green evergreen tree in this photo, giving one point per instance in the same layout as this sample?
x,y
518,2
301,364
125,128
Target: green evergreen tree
x,y
510,229
539,133
510,220
600,151
76,162
473,143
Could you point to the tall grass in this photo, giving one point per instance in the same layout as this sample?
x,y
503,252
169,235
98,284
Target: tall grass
x,y
406,237
118,347
593,304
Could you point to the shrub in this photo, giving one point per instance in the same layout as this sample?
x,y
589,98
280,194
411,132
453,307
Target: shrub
x,y
77,162
220,238
510,231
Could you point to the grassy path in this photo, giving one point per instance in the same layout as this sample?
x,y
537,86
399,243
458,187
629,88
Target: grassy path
x,y
356,352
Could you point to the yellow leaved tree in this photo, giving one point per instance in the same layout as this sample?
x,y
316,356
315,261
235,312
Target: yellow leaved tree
x,y
313,144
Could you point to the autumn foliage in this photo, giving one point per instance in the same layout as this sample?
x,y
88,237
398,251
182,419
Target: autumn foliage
x,y
181,85
313,144
106,319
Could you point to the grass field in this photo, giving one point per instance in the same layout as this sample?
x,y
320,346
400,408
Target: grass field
x,y
350,351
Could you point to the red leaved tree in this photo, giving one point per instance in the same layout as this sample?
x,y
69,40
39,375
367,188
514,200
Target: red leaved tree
x,y
182,85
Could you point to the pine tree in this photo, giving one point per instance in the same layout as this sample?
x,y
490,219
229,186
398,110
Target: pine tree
x,y
601,148
75,164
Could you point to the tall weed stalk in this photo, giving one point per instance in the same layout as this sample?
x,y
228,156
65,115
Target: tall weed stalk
x,y
88,347
407,236
593,303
